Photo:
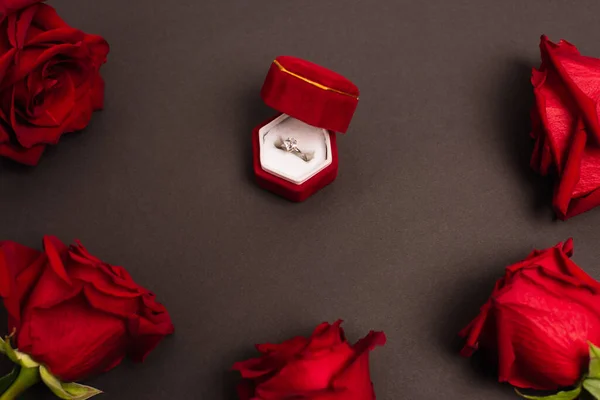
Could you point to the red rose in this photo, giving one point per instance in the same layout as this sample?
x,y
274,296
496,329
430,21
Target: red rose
x,y
566,126
49,81
74,313
539,320
322,367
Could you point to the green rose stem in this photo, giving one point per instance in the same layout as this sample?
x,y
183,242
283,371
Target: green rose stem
x,y
26,379
32,372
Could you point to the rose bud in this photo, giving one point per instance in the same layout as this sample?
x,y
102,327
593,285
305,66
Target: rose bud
x,y
565,126
74,314
323,366
539,321
49,80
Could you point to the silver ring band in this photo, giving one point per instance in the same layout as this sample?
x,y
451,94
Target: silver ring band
x,y
290,145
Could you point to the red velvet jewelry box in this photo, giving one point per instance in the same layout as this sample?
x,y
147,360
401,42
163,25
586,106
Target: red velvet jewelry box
x,y
314,103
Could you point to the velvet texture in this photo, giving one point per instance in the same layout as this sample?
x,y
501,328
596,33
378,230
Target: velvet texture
x,y
49,80
566,126
322,367
309,103
310,93
287,189
538,321
74,313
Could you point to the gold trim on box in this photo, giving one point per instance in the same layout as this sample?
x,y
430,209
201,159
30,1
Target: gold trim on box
x,y
317,84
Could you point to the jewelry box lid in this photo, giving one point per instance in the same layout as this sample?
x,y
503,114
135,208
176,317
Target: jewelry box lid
x,y
311,93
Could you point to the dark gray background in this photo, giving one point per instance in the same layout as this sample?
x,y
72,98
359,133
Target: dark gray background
x,y
434,197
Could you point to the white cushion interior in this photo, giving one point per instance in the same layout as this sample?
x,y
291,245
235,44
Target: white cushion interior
x,y
287,165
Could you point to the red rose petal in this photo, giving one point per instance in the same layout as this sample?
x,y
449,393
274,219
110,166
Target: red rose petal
x,y
245,391
565,124
80,250
311,373
289,348
74,340
577,74
326,336
51,290
119,306
539,320
21,155
6,59
558,116
322,367
20,268
22,26
60,35
55,250
10,6
540,348
98,48
355,380
48,18
276,355
146,335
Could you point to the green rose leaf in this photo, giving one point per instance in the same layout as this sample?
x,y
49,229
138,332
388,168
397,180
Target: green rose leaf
x,y
8,379
592,385
67,391
594,368
2,346
568,395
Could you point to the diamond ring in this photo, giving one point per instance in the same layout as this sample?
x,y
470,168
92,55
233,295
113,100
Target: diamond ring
x,y
290,145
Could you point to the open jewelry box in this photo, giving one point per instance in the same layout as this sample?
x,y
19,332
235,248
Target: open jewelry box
x,y
295,153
